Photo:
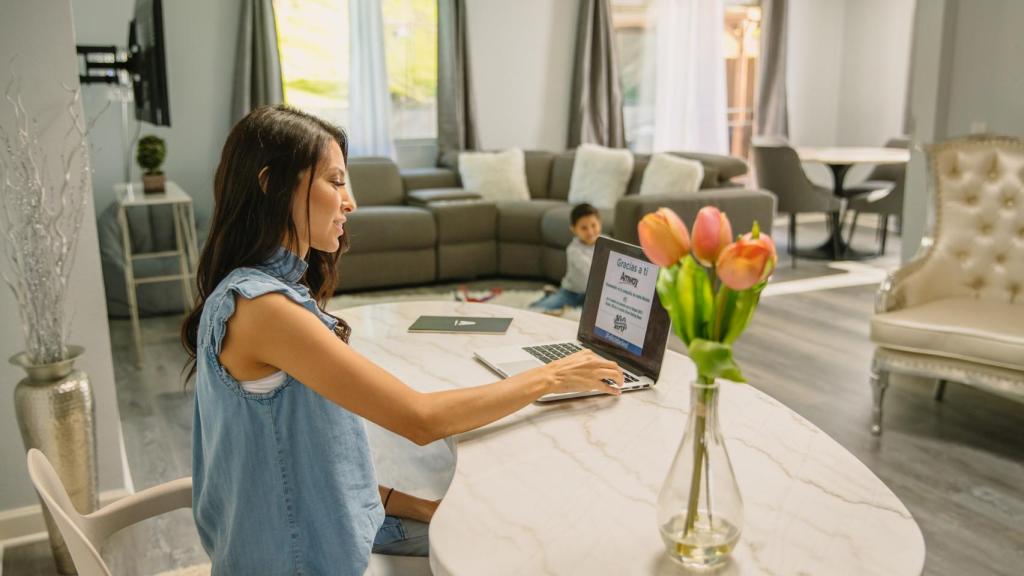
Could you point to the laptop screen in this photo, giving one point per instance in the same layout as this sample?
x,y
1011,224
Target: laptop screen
x,y
622,315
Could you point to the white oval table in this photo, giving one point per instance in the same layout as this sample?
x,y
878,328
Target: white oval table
x,y
570,487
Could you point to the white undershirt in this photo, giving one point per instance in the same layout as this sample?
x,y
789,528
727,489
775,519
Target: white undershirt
x,y
265,384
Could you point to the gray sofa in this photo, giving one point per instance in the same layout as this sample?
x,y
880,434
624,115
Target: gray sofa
x,y
420,226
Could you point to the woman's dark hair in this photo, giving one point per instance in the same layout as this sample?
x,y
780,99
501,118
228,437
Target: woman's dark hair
x,y
252,209
581,211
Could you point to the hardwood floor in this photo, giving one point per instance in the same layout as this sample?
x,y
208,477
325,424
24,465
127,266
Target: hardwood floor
x,y
958,465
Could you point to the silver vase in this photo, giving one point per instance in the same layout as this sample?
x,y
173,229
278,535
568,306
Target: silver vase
x,y
56,414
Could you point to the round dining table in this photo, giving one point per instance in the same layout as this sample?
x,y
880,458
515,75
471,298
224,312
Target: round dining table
x,y
571,487
840,159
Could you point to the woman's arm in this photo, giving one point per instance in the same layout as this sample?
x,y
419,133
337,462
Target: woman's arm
x,y
406,505
273,330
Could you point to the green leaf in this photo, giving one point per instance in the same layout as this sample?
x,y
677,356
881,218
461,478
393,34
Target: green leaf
x,y
714,360
725,302
742,313
695,299
666,287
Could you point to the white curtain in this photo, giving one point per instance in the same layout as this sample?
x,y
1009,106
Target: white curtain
x,y
369,128
685,86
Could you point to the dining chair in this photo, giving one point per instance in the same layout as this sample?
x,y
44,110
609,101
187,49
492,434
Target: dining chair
x,y
780,172
85,534
881,194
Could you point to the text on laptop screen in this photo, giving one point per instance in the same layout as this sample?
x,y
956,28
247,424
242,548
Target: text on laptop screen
x,y
625,305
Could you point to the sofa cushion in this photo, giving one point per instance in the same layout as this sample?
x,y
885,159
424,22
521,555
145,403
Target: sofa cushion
x,y
561,175
497,176
426,196
668,174
555,231
375,181
982,331
600,175
390,228
521,221
538,172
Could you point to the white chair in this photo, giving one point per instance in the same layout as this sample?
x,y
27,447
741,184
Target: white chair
x,y
85,535
957,313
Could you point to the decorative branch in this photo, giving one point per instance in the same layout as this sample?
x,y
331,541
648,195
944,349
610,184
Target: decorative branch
x,y
40,221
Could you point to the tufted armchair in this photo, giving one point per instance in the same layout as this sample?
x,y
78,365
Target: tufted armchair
x,y
957,312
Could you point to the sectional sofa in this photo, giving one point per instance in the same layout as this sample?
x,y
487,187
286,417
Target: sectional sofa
x,y
420,226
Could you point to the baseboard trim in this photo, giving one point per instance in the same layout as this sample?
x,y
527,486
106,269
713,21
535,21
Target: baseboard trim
x,y
22,525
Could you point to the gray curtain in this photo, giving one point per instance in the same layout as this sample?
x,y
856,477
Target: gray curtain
x,y
257,63
596,113
456,118
771,117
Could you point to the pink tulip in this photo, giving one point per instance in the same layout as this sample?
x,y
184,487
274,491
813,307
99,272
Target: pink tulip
x,y
663,237
747,262
711,234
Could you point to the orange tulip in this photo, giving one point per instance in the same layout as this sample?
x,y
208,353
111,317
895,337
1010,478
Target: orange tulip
x,y
747,262
663,237
712,232
769,244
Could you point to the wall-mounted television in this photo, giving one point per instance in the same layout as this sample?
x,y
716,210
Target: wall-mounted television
x,y
144,66
149,63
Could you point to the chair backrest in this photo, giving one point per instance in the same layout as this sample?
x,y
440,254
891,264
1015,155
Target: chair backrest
x,y
780,172
85,535
979,223
892,172
69,521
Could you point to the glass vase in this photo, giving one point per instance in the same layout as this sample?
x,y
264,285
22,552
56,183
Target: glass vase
x,y
700,512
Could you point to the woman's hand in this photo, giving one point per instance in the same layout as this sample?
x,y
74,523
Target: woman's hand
x,y
582,372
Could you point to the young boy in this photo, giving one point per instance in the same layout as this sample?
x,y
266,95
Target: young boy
x,y
585,223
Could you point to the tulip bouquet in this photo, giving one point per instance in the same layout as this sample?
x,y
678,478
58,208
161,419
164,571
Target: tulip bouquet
x,y
710,287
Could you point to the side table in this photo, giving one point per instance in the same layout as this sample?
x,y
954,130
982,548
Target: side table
x,y
185,246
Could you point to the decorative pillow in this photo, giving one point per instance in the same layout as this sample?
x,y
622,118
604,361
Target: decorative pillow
x,y
669,174
600,175
497,176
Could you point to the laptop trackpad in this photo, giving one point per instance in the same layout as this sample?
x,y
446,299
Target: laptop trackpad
x,y
512,368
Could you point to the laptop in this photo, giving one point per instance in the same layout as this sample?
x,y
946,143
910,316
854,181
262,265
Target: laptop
x,y
622,321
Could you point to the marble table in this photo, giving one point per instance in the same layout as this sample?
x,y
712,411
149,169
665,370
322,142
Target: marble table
x,y
570,488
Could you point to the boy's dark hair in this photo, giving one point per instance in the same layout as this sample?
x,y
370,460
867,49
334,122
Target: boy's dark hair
x,y
582,211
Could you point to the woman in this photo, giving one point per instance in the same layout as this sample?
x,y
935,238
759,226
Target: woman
x,y
282,477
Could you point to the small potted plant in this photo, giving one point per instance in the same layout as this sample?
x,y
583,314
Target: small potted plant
x,y
150,157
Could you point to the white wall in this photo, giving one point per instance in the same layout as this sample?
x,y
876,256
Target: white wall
x,y
873,79
40,33
813,59
521,56
200,40
846,76
987,81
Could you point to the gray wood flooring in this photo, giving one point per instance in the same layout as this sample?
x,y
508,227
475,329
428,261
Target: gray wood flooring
x,y
957,465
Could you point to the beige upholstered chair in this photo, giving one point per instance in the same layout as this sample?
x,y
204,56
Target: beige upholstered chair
x,y
85,535
957,313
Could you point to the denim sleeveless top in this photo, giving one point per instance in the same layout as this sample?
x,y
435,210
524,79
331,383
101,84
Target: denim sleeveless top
x,y
282,482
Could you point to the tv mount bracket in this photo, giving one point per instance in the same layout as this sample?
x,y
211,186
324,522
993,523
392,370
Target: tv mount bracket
x,y
103,64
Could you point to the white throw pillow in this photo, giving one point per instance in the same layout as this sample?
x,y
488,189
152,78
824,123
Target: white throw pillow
x,y
670,174
600,175
497,176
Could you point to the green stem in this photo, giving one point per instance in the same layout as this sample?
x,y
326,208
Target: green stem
x,y
700,423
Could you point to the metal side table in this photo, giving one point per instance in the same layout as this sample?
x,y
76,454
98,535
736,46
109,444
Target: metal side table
x,y
185,246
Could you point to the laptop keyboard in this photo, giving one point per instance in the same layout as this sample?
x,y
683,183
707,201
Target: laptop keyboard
x,y
548,353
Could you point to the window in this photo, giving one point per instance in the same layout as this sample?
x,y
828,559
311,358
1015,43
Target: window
x,y
742,37
313,41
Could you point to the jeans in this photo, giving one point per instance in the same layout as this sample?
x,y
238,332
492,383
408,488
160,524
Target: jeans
x,y
559,300
402,537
